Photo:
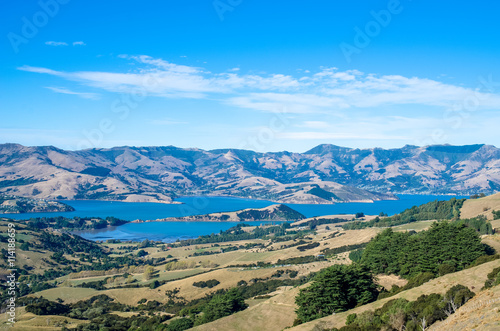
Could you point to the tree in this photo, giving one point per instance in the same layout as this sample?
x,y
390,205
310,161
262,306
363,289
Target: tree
x,y
456,297
154,284
142,253
222,305
336,289
148,273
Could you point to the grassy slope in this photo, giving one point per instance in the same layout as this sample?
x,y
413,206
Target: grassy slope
x,y
29,322
481,313
473,278
275,313
228,277
483,206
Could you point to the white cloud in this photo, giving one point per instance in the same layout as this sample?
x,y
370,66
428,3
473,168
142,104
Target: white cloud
x,y
315,124
312,135
56,43
64,90
326,91
79,43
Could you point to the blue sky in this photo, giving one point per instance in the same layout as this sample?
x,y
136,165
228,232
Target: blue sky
x,y
260,75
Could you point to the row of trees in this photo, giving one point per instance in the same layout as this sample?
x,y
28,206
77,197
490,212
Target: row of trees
x,y
445,245
434,210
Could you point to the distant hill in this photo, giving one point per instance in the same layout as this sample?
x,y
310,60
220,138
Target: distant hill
x,y
18,205
324,174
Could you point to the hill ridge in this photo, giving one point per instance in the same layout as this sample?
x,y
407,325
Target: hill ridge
x,y
159,173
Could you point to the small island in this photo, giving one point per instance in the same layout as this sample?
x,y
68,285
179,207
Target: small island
x,y
270,213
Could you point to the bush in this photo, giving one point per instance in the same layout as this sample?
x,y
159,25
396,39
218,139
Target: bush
x,y
493,278
42,306
350,319
209,283
154,284
142,253
308,246
355,256
180,324
445,268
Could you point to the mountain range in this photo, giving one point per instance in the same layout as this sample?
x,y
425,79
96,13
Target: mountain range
x,y
324,174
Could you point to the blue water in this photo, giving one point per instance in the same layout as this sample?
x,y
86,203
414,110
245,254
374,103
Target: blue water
x,y
170,231
163,231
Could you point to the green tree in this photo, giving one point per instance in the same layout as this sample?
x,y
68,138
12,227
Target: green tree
x,y
336,289
222,305
180,324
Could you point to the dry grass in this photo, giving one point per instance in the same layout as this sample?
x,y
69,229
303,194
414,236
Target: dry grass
x,y
275,313
67,294
388,281
29,322
483,206
493,241
415,226
481,313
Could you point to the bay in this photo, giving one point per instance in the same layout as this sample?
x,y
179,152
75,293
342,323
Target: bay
x,y
171,231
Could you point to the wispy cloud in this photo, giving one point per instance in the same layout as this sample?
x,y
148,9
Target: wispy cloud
x,y
315,125
56,43
325,91
64,90
62,43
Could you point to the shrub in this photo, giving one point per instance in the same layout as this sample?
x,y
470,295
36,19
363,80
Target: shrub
x,y
209,283
445,268
180,324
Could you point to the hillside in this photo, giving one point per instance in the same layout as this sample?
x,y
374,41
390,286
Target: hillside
x,y
270,213
324,174
481,313
10,204
246,277
482,206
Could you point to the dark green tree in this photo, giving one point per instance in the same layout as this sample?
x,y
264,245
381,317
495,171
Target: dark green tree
x,y
222,305
180,324
336,289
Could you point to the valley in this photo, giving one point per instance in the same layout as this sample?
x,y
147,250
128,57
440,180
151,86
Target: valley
x,y
268,265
